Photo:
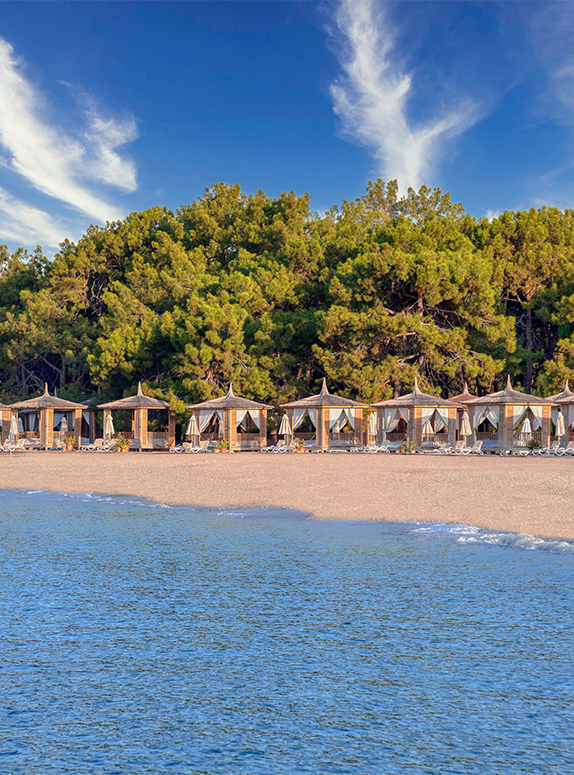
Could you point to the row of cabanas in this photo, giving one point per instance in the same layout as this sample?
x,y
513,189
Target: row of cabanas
x,y
502,420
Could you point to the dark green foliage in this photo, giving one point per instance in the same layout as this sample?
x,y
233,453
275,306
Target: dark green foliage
x,y
269,295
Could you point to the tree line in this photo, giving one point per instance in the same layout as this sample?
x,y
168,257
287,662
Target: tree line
x,y
272,296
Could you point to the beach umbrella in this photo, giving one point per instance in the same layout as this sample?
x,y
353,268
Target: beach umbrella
x,y
465,428
64,425
560,425
192,427
13,426
109,426
285,427
526,426
373,424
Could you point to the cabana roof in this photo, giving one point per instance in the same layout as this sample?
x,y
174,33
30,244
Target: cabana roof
x,y
139,401
3,406
324,398
229,401
463,398
565,397
416,398
510,396
45,401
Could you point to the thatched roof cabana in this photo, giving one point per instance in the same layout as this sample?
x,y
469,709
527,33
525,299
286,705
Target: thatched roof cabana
x,y
506,408
140,405
231,411
45,405
463,398
326,412
565,401
423,413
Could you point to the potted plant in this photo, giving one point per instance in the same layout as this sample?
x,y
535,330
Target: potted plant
x,y
224,445
533,444
69,442
403,448
299,445
122,444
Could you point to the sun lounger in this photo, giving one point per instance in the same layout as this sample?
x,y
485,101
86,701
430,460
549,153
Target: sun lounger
x,y
567,450
551,450
520,451
476,449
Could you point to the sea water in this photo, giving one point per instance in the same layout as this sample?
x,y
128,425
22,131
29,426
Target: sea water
x,y
137,638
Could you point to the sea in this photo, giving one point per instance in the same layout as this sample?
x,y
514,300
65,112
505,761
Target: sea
x,y
139,638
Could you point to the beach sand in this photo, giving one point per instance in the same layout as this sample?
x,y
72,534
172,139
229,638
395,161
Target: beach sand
x,y
525,495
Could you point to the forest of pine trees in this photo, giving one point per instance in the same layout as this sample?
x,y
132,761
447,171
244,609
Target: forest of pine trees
x,y
267,294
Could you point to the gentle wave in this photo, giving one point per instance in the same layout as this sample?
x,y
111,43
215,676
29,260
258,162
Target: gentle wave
x,y
469,534
461,534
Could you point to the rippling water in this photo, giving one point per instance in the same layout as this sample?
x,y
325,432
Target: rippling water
x,y
140,639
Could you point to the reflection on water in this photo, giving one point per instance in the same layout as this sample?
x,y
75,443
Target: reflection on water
x,y
140,639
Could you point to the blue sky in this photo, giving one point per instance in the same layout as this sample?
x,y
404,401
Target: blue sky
x,y
106,108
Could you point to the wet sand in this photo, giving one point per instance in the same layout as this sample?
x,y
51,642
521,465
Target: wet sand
x,y
524,495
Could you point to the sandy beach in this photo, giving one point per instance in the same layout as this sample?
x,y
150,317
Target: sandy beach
x,y
525,495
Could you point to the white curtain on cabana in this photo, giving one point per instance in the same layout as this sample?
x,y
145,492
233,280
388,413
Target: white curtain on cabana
x,y
426,417
338,418
253,413
58,417
560,424
518,413
205,416
537,412
373,424
299,416
392,418
441,419
490,413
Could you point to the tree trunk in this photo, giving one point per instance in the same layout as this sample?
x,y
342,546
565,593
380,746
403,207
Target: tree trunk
x,y
529,343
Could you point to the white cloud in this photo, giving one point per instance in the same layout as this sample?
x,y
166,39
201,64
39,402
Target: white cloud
x,y
491,215
372,98
26,225
52,161
553,31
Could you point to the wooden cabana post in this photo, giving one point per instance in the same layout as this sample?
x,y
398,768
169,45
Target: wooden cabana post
x,y
230,411
565,401
140,405
45,405
417,409
326,408
5,417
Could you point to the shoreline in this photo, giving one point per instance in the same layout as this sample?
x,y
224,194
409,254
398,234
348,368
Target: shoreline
x,y
516,495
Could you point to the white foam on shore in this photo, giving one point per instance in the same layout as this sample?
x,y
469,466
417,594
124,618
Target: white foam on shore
x,y
468,534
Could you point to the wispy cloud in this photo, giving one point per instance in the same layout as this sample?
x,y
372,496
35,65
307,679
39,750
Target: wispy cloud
x,y
372,98
26,225
51,160
552,29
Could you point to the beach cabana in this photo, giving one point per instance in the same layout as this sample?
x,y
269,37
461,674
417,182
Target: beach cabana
x,y
48,419
465,416
417,417
140,406
507,409
565,401
229,417
328,415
